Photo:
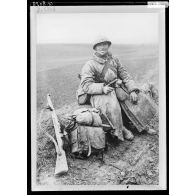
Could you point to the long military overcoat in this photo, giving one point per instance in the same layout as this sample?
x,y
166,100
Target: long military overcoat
x,y
92,83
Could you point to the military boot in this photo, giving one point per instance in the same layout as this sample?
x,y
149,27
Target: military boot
x,y
127,134
151,131
118,134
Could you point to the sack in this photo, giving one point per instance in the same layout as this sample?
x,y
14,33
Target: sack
x,y
82,97
141,113
85,140
88,116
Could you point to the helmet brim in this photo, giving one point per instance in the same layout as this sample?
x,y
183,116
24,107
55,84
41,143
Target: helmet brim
x,y
109,43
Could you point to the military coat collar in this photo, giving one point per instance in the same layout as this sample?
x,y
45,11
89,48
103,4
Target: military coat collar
x,y
101,60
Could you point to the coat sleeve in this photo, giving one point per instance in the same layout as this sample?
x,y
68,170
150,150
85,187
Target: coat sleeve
x,y
88,80
125,77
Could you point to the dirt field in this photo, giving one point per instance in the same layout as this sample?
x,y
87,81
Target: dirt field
x,y
129,162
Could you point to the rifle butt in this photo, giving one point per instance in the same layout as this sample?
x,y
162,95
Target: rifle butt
x,y
61,164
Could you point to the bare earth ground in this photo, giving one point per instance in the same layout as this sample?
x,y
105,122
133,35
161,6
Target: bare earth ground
x,y
129,162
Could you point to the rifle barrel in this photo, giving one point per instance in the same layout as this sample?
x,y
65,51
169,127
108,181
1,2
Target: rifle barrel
x,y
110,83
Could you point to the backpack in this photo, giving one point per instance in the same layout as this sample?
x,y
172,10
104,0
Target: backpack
x,y
86,136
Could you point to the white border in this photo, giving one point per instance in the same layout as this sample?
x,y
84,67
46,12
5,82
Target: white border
x,y
33,94
162,100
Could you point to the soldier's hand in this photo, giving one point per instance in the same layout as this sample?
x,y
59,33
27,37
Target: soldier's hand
x,y
133,96
107,89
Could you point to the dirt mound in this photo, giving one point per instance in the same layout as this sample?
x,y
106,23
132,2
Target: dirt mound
x,y
128,162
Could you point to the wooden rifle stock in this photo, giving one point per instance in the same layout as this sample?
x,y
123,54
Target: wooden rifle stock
x,y
61,161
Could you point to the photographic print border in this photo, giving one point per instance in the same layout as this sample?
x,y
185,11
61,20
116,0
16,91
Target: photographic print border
x,y
29,92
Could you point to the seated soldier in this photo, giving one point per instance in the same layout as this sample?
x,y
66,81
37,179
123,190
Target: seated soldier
x,y
96,74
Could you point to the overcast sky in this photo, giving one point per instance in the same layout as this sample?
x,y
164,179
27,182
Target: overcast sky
x,y
135,28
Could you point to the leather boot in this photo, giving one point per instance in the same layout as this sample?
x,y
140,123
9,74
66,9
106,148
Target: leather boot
x,y
118,134
127,134
151,131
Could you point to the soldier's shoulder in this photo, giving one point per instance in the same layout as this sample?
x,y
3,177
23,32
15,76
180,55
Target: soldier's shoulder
x,y
88,64
116,58
90,60
113,56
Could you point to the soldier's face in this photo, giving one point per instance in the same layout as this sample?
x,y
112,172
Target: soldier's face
x,y
102,48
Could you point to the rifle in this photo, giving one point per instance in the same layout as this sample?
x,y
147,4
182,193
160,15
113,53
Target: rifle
x,y
61,161
111,83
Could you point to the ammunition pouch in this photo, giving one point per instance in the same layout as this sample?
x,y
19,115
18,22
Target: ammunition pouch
x,y
82,97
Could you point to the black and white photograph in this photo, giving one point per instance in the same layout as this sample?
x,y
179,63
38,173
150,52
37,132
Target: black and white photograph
x,y
98,97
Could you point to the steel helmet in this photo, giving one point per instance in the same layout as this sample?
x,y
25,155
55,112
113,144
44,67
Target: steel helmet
x,y
101,39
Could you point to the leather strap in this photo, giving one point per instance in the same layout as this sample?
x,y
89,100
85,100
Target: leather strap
x,y
105,69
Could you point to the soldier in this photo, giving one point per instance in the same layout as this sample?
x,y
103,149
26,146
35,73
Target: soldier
x,y
98,72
